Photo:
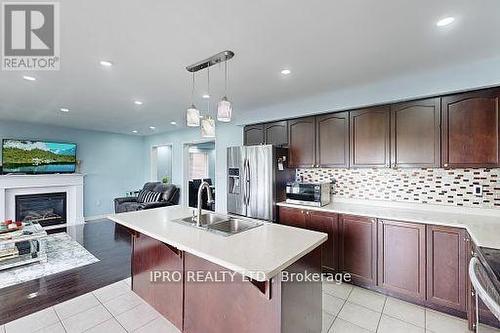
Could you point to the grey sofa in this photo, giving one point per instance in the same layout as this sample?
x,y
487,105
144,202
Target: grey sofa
x,y
170,197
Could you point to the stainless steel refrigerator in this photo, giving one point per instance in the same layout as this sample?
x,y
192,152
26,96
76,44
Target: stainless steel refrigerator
x,y
257,177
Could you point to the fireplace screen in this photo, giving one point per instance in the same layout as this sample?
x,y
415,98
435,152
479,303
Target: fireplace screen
x,y
47,209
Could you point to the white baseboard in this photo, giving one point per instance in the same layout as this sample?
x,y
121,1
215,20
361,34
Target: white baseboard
x,y
96,217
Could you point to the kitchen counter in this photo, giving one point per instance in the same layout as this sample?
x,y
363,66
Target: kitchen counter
x,y
260,253
483,225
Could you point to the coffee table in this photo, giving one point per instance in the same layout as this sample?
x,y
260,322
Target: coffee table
x,y
37,241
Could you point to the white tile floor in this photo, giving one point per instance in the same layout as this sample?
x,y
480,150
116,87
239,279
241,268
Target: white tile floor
x,y
116,309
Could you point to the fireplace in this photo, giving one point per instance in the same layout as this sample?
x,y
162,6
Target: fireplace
x,y
48,209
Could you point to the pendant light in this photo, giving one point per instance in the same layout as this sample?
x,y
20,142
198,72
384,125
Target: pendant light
x,y
224,107
208,123
192,113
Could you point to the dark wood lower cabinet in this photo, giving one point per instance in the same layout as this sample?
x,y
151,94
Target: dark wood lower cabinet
x,y
166,297
293,217
248,306
447,268
230,303
317,221
327,223
358,248
401,259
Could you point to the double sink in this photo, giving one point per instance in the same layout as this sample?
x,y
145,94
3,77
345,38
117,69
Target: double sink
x,y
221,224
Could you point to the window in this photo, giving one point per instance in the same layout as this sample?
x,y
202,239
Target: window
x,y
198,165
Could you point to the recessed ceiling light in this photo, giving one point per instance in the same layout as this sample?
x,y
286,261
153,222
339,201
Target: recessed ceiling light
x,y
135,132
138,102
285,71
152,128
206,96
64,109
29,78
173,123
106,63
445,21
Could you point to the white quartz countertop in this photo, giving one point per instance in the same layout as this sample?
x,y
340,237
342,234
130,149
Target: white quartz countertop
x,y
260,253
483,225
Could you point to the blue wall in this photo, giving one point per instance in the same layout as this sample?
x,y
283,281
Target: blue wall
x,y
227,135
112,163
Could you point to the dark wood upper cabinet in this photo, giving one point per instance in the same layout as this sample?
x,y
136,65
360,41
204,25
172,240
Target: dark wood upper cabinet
x,y
401,259
358,248
415,133
276,133
370,137
332,140
470,130
327,223
301,142
253,135
447,267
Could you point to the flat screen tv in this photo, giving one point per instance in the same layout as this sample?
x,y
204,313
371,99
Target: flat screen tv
x,y
26,156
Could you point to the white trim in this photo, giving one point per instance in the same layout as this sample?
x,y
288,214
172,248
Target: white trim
x,y
72,184
96,217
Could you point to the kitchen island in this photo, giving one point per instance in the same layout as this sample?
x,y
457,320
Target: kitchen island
x,y
206,282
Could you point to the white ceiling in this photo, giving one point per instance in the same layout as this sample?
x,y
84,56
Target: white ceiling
x,y
328,45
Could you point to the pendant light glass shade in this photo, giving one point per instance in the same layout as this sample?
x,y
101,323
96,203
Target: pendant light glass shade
x,y
224,107
193,116
224,110
208,127
192,113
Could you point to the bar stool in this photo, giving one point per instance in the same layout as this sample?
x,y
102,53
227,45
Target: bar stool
x,y
483,289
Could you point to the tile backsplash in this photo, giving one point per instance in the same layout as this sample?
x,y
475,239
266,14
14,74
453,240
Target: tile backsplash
x,y
453,187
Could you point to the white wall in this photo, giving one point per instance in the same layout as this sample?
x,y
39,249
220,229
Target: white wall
x,y
226,135
480,74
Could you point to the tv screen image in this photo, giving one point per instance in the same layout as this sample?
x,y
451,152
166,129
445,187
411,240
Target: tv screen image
x,y
25,156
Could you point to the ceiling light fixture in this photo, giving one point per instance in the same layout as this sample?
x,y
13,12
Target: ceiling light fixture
x,y
135,131
64,109
106,63
29,78
445,21
138,103
152,128
192,113
173,123
224,107
286,71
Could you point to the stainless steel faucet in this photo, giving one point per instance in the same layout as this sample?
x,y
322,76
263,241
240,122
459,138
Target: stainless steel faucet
x,y
203,185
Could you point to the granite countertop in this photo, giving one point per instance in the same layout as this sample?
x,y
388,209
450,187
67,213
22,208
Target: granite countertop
x,y
483,225
260,253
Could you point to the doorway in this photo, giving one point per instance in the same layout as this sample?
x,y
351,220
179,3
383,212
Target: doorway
x,y
161,164
200,166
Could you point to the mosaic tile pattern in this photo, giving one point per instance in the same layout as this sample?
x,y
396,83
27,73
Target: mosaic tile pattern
x,y
434,186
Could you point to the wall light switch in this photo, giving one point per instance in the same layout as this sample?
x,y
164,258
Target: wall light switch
x,y
478,190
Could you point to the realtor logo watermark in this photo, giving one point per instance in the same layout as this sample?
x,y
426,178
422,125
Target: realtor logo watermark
x,y
30,33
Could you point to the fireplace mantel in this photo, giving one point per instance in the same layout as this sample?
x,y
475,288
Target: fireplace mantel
x,y
72,184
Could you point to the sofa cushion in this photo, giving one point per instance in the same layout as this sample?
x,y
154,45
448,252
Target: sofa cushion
x,y
149,196
128,207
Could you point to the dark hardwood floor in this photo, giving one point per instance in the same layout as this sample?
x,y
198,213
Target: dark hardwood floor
x,y
109,242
